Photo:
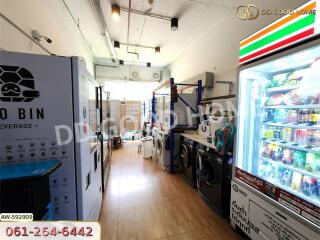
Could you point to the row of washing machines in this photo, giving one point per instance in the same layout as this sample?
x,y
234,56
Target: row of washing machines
x,y
200,166
204,169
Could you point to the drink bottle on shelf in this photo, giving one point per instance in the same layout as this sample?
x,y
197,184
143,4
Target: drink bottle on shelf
x,y
296,181
301,136
310,186
299,159
305,116
287,134
313,162
311,139
313,118
292,116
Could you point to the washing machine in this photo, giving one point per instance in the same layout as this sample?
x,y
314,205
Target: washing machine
x,y
214,175
187,163
155,143
163,150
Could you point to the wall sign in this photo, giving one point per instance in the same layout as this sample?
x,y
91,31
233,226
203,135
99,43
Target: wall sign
x,y
294,203
290,29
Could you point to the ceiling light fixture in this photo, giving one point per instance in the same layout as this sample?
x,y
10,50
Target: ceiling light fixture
x,y
116,44
174,24
115,11
148,64
157,50
121,62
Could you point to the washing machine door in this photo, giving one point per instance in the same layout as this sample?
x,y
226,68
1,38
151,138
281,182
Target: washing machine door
x,y
185,160
210,167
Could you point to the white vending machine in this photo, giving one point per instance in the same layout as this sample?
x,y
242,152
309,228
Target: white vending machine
x,y
275,193
48,110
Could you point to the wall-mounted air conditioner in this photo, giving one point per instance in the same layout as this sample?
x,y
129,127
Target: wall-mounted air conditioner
x,y
134,73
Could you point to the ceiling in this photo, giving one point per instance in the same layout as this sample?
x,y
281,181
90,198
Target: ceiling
x,y
195,19
198,20
202,23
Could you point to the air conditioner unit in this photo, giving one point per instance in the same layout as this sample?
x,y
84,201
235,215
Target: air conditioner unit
x,y
206,77
135,73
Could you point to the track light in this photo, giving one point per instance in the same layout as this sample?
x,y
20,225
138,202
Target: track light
x,y
121,62
174,24
157,50
115,11
148,64
116,44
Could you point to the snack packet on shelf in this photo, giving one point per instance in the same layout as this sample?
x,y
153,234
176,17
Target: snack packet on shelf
x,y
275,100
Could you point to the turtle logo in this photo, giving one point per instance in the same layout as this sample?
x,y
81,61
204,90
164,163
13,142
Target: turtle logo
x,y
16,84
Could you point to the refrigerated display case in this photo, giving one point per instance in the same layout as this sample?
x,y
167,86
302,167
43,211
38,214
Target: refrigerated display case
x,y
277,167
279,131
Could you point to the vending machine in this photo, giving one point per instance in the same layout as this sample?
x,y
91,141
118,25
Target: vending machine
x,y
276,178
48,110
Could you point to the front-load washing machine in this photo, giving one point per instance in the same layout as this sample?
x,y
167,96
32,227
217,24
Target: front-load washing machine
x,y
155,143
187,157
161,153
163,150
213,172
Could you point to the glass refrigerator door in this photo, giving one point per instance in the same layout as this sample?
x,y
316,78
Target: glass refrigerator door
x,y
279,123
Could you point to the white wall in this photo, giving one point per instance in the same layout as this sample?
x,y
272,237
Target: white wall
x,y
218,50
50,17
130,90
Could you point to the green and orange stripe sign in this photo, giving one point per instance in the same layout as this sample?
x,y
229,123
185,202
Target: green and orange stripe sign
x,y
281,33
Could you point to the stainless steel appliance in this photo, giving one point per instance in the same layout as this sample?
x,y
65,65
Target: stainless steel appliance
x,y
214,173
187,154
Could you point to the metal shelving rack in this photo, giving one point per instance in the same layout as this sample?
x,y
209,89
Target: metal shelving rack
x,y
171,84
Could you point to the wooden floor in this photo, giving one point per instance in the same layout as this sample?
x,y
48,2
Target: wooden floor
x,y
144,202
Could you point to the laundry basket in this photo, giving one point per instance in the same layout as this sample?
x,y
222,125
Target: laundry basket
x,y
147,145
